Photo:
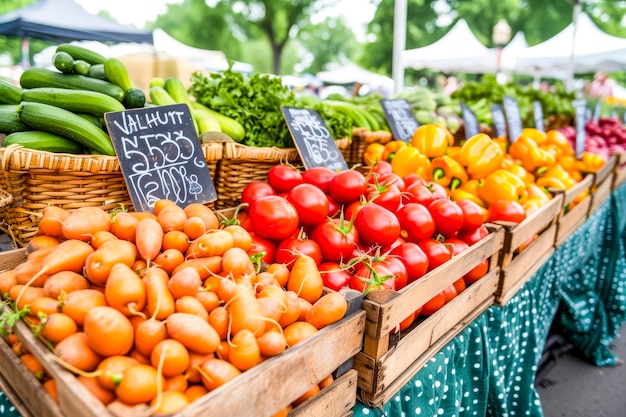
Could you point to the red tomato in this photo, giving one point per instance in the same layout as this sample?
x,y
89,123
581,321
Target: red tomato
x,y
416,222
510,211
477,272
376,225
347,186
372,277
459,285
404,324
310,203
386,195
260,244
398,269
472,236
288,250
456,245
255,190
353,208
399,241
424,193
380,169
447,215
433,304
436,251
337,239
334,276
283,178
318,176
411,179
273,217
333,206
393,179
414,259
472,215
449,293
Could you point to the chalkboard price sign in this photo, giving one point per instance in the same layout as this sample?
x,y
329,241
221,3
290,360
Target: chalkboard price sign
x,y
400,118
580,112
472,127
513,118
538,115
316,146
499,122
597,110
160,156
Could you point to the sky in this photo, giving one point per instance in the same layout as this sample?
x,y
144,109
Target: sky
x,y
355,12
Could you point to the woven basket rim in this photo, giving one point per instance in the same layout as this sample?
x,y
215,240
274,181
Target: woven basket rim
x,y
5,198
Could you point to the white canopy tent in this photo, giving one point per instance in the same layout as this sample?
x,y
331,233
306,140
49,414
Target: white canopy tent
x,y
580,47
508,59
352,73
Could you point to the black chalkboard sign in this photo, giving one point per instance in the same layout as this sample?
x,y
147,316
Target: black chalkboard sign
x,y
316,146
538,115
400,118
580,111
513,118
472,127
597,111
499,122
160,156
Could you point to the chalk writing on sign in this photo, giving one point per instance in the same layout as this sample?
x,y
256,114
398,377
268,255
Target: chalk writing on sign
x,y
499,122
400,118
313,140
160,156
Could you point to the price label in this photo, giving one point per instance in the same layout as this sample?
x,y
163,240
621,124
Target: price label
x,y
316,146
513,118
597,110
499,122
538,115
160,156
580,108
472,127
400,118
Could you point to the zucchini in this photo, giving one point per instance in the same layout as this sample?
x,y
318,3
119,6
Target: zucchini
x,y
63,122
116,73
157,81
63,62
160,97
77,101
81,67
231,127
97,71
44,141
41,77
9,119
79,52
9,93
135,98
93,119
176,90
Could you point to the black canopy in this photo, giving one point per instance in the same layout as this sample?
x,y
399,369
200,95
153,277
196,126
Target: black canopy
x,y
66,21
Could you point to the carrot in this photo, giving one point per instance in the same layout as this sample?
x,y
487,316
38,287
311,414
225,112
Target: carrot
x,y
237,264
125,226
172,217
51,222
184,282
160,204
326,381
208,299
280,272
169,259
51,388
193,332
99,264
148,334
205,267
271,343
77,303
64,282
75,350
160,302
25,271
219,318
139,384
44,306
195,359
82,223
170,402
310,393
244,351
272,309
305,307
194,392
245,310
176,383
149,237
41,242
298,331
101,237
140,215
24,295
125,291
110,370
206,214
175,239
241,236
292,312
305,279
108,331
217,372
191,305
212,243
57,326
194,227
329,309
174,355
7,280
105,396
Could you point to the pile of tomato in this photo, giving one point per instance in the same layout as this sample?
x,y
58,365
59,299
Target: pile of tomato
x,y
366,231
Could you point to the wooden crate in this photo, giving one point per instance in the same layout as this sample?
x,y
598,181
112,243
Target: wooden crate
x,y
524,264
607,169
620,170
380,379
297,369
571,218
601,192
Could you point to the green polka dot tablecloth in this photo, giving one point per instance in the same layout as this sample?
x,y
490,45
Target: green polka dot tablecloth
x,y
489,368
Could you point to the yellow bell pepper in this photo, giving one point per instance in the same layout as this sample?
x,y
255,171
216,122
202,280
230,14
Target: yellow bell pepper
x,y
551,182
532,204
432,140
593,162
553,149
409,160
459,194
472,186
530,154
502,185
447,172
454,152
503,143
373,153
557,138
536,192
568,162
391,148
518,170
481,156
537,135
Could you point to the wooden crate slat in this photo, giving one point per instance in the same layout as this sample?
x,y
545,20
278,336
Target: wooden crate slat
x,y
336,400
570,221
601,193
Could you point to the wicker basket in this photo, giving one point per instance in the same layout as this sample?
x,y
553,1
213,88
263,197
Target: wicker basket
x,y
361,139
240,165
5,198
37,179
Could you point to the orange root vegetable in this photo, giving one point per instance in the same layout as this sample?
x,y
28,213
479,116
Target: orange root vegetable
x,y
160,302
244,351
82,223
217,372
148,238
186,281
305,279
193,332
125,291
329,309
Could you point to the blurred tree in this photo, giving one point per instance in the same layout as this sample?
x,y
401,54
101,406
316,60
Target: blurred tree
x,y
12,45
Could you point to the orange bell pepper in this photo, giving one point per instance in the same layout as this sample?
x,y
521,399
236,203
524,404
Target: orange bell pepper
x,y
391,148
447,172
409,160
502,185
593,162
530,154
557,138
537,135
459,194
373,153
432,140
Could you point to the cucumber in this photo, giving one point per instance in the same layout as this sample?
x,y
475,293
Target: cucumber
x,y
229,126
63,62
9,119
63,122
41,77
116,73
9,93
157,81
176,90
77,101
93,119
97,71
44,141
135,98
81,67
160,97
79,52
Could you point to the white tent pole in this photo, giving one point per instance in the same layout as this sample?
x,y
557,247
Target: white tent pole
x,y
570,73
399,43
